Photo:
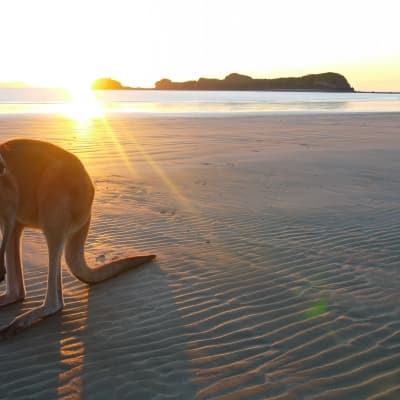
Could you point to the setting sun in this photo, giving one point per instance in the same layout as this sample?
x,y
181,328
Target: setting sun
x,y
83,106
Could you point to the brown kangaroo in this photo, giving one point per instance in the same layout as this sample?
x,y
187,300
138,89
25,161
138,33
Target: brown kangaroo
x,y
45,187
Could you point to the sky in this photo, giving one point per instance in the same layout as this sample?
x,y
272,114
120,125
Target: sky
x,y
69,43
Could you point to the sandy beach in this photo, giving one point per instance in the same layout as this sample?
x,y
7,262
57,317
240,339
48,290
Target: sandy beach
x,y
277,272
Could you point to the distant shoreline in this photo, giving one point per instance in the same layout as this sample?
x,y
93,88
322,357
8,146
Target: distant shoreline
x,y
253,90
243,90
128,88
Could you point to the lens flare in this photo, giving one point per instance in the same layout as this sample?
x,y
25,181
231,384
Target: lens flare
x,y
83,108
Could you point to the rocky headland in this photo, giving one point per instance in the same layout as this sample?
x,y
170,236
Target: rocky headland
x,y
329,81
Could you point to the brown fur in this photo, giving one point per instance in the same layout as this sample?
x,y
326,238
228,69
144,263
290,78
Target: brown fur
x,y
45,187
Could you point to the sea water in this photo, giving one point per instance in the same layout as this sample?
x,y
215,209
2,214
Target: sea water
x,y
198,103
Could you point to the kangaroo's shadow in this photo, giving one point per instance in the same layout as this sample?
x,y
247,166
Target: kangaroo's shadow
x,y
119,339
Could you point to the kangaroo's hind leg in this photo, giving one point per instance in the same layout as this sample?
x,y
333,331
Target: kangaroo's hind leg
x,y
55,224
15,288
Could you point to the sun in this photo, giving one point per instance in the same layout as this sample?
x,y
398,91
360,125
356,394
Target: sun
x,y
83,106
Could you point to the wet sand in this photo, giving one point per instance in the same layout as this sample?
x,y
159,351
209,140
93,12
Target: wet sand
x,y
277,272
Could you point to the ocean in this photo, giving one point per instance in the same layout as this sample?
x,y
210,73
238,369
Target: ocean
x,y
198,103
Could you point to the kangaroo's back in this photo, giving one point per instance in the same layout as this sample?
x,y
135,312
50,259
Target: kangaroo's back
x,y
41,168
27,158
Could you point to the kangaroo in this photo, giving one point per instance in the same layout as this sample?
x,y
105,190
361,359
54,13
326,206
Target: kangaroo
x,y
45,187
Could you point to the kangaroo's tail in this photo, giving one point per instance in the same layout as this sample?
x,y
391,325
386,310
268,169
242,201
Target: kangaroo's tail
x,y
75,257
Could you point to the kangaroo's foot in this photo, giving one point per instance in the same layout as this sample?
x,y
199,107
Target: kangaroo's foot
x,y
8,298
27,319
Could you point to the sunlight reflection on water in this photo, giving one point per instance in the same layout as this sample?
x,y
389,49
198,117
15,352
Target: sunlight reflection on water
x,y
87,104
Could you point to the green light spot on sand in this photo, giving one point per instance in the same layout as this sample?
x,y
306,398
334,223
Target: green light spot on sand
x,y
317,309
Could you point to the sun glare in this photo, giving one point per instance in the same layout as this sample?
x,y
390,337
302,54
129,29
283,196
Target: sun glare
x,y
83,107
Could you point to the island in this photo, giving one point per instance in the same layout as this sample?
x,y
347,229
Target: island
x,y
108,84
325,82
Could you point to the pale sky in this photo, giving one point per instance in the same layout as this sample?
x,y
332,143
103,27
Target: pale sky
x,y
71,43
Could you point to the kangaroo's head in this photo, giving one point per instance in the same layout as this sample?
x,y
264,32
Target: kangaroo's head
x,y
8,209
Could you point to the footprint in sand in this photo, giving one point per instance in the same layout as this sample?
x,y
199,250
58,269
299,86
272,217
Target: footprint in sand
x,y
168,211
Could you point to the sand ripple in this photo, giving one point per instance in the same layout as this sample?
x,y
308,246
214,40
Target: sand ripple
x,y
275,279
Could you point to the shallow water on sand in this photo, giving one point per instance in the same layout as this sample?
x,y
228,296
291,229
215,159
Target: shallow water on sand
x,y
60,101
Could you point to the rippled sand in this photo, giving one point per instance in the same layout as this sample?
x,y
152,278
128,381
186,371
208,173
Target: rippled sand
x,y
277,274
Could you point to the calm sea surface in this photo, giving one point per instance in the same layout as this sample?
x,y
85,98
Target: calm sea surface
x,y
54,101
